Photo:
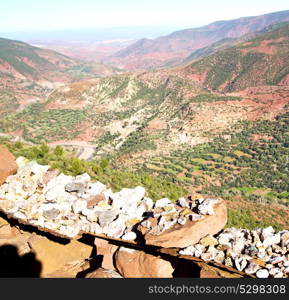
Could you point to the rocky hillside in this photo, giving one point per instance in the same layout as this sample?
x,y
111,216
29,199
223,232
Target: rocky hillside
x,y
29,74
173,48
259,61
19,60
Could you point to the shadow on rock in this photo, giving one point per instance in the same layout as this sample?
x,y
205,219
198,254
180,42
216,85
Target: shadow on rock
x,y
14,265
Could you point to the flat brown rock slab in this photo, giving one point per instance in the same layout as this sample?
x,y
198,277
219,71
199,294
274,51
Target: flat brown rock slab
x,y
138,264
53,255
103,273
180,236
8,164
69,270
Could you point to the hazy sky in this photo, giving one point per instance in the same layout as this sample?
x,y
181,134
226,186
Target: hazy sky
x,y
29,15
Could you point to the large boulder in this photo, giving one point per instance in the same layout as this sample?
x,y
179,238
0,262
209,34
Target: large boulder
x,y
8,164
107,251
138,264
191,232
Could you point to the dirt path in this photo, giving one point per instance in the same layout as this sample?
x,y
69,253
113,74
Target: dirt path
x,y
84,150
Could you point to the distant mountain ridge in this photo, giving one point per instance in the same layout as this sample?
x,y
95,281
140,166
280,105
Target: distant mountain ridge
x,y
170,49
19,60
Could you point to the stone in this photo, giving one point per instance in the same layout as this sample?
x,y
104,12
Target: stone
x,y
96,188
128,197
252,268
190,250
116,228
195,217
129,236
103,273
199,249
83,178
70,269
39,169
207,256
161,203
209,240
79,205
8,164
106,217
183,203
51,214
138,264
240,263
7,231
285,239
69,231
148,203
226,239
182,220
271,240
53,255
267,232
220,257
74,187
251,250
206,206
185,235
276,260
91,214
262,273
49,175
106,251
228,262
95,200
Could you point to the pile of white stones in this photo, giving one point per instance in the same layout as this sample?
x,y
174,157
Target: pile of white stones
x,y
261,252
69,205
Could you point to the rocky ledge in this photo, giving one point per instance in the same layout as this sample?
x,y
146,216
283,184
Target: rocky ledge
x,y
70,206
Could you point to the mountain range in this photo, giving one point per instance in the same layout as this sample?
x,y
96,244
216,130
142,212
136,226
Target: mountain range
x,y
171,49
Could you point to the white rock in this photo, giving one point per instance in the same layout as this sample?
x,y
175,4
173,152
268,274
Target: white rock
x,y
266,232
252,268
83,178
129,236
21,161
240,263
199,249
162,202
190,250
148,202
69,231
146,224
271,240
128,197
19,215
39,169
225,239
183,202
262,273
95,188
195,217
182,220
79,205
